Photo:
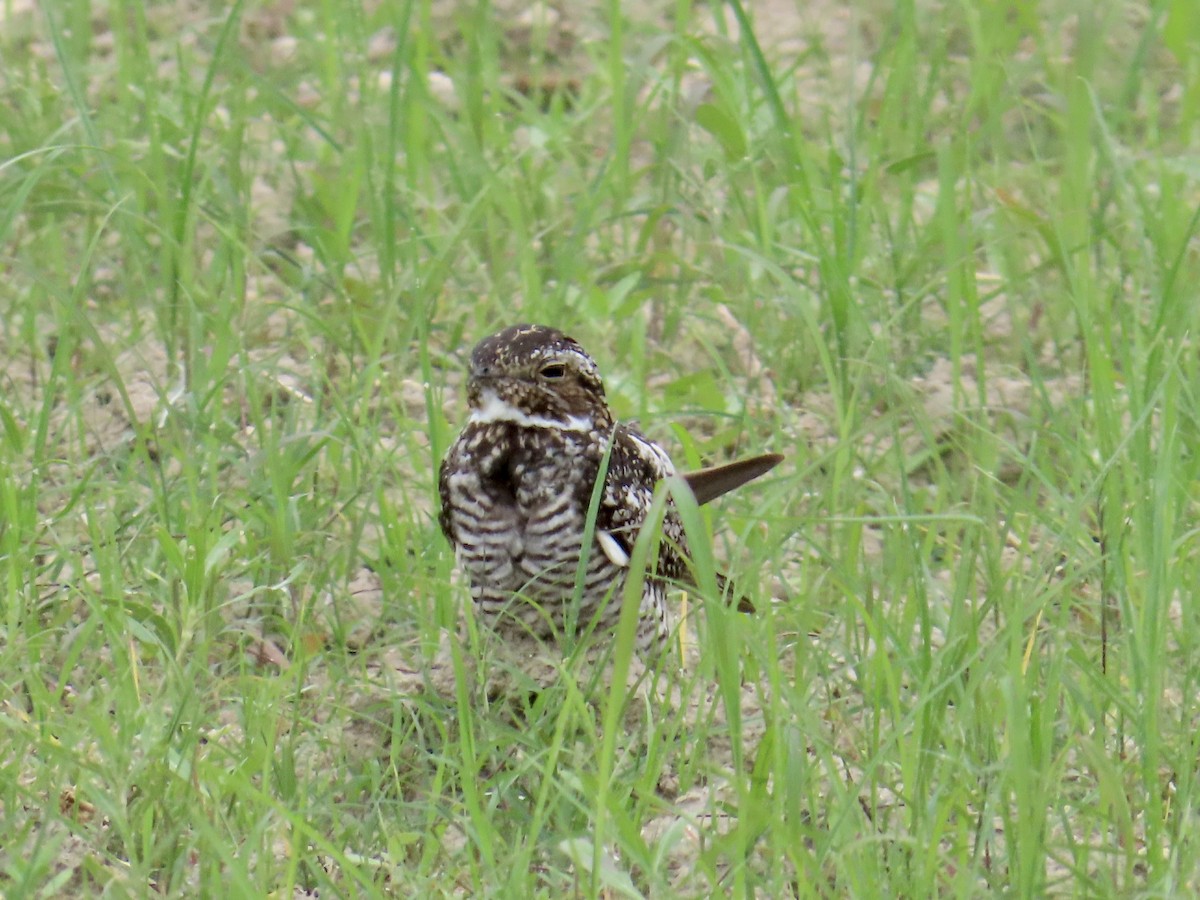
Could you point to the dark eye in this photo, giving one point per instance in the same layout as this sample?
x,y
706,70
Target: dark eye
x,y
553,370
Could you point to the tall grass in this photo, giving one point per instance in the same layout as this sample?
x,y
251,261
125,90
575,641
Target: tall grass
x,y
244,250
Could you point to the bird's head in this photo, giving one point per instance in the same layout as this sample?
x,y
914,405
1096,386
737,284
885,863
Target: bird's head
x,y
536,376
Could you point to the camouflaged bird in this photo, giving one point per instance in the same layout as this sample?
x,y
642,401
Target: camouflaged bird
x,y
517,484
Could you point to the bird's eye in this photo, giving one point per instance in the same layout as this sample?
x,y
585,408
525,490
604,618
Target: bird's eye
x,y
553,371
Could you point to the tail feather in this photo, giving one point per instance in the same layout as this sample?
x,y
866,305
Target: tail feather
x,y
709,484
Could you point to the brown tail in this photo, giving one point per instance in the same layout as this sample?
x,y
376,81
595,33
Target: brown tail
x,y
709,484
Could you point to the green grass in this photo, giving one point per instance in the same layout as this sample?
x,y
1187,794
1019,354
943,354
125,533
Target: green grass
x,y
242,255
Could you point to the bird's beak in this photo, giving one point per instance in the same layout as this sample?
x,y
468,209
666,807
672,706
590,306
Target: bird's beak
x,y
482,373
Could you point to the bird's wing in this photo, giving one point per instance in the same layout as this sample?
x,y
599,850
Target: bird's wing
x,y
636,464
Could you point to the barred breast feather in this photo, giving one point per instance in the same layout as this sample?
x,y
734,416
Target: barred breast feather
x,y
515,503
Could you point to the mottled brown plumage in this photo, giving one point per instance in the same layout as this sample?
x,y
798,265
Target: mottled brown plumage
x,y
517,484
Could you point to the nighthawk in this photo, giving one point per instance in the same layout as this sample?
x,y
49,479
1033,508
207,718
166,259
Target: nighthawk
x,y
516,487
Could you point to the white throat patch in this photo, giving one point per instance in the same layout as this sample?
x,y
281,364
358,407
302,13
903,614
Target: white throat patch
x,y
494,409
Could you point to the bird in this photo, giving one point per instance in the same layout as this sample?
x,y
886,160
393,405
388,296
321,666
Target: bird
x,y
516,488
